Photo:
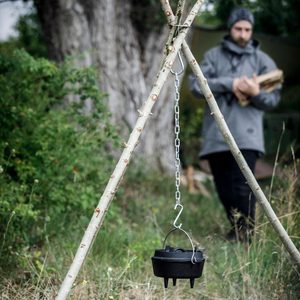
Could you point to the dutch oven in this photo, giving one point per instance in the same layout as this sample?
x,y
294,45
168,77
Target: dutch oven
x,y
178,263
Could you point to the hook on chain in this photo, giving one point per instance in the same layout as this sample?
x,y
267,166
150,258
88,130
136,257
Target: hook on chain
x,y
178,215
181,63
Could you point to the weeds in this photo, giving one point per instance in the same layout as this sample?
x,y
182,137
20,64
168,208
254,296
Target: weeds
x,y
119,265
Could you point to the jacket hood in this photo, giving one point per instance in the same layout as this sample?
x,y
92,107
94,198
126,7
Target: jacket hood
x,y
231,46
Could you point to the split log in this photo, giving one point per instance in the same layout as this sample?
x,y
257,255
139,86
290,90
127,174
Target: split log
x,y
267,82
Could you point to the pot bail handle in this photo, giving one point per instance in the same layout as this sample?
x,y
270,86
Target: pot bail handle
x,y
193,258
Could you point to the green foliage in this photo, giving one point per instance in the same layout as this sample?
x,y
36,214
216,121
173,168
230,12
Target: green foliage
x,y
29,37
191,122
275,17
53,155
119,265
147,16
122,253
278,17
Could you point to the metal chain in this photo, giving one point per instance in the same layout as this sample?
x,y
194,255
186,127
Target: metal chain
x,y
177,139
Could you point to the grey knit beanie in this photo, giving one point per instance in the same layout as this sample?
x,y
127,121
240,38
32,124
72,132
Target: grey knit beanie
x,y
240,14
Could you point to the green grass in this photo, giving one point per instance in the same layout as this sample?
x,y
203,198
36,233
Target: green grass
x,y
119,265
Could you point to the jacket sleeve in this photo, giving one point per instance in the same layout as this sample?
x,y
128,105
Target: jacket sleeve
x,y
217,84
266,101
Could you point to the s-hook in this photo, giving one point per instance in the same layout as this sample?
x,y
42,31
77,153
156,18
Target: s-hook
x,y
178,215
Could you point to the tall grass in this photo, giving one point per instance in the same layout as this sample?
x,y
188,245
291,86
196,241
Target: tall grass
x,y
119,265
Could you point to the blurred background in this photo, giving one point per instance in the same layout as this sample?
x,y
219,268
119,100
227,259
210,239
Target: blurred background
x,y
72,76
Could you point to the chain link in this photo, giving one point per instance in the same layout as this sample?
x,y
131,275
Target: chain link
x,y
177,139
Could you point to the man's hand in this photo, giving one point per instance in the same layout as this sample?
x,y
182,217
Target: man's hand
x,y
242,97
248,86
245,87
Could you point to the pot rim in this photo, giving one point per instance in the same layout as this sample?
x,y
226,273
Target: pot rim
x,y
177,259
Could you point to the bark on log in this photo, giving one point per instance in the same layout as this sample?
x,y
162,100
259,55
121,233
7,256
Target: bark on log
x,y
267,82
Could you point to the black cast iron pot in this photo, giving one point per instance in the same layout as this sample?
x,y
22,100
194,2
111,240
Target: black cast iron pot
x,y
177,263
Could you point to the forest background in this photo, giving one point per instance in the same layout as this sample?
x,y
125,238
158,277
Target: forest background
x,y
65,114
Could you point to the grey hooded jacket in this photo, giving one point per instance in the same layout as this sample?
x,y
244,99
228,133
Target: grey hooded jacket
x,y
220,66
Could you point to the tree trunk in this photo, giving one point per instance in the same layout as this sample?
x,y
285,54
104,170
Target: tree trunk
x,y
102,33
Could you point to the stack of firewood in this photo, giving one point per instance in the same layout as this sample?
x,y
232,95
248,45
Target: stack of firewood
x,y
268,82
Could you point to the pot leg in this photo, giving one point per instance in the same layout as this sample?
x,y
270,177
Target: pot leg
x,y
166,280
192,281
174,281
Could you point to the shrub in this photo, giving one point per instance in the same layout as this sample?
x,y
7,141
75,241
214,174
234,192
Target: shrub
x,y
53,155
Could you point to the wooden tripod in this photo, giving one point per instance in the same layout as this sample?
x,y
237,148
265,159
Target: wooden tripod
x,y
144,112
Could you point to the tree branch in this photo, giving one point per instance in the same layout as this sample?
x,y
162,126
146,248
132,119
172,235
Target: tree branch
x,y
176,21
123,162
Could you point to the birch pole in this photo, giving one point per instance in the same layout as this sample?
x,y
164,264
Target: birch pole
x,y
115,178
219,118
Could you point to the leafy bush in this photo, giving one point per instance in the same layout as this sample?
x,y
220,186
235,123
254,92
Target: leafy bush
x,y
53,155
29,36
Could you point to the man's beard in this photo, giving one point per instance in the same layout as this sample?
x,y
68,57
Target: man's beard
x,y
242,42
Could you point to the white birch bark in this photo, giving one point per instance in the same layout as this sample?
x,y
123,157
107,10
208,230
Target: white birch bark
x,y
215,111
122,164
